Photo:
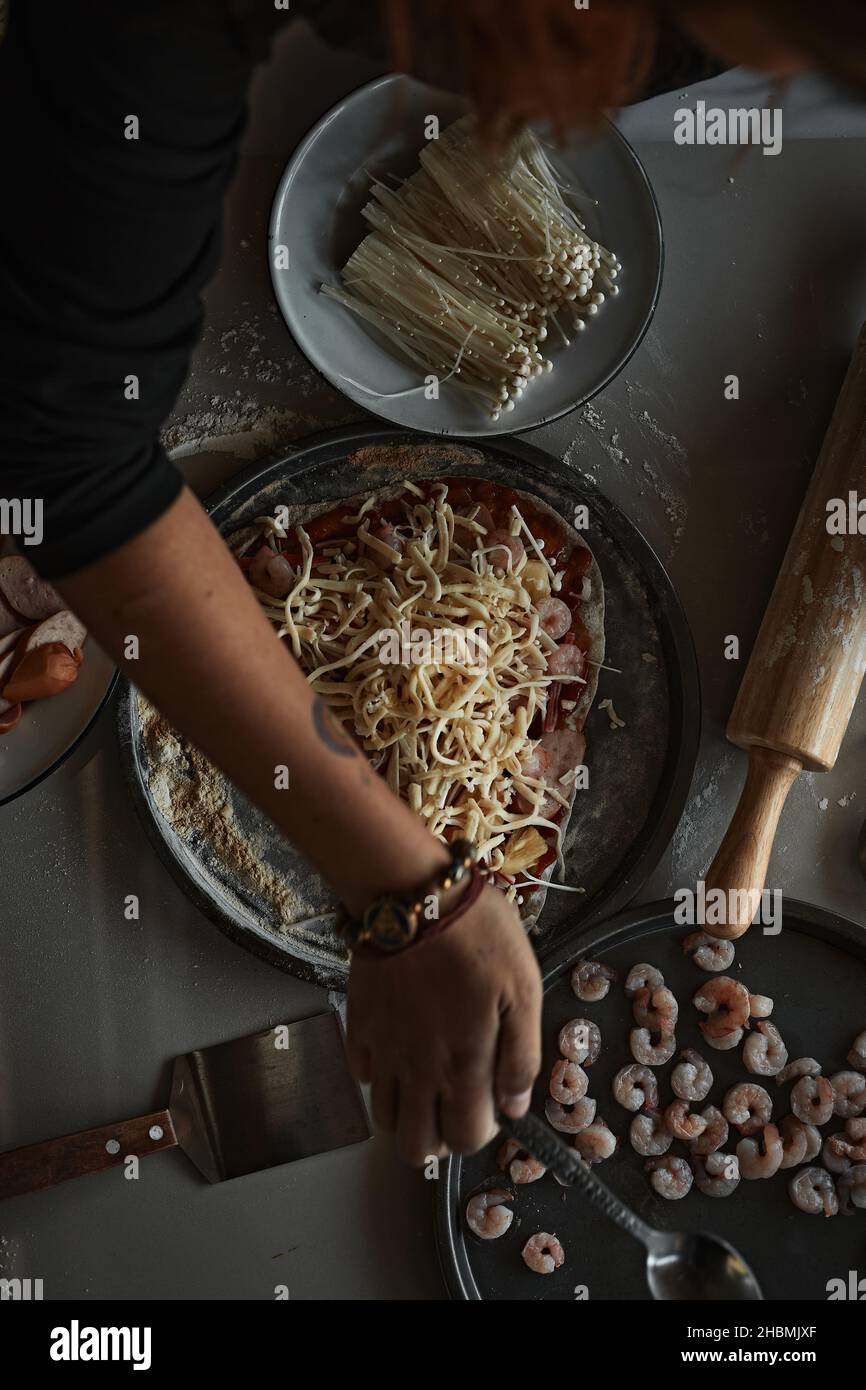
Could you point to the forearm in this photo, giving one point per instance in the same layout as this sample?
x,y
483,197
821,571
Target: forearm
x,y
211,662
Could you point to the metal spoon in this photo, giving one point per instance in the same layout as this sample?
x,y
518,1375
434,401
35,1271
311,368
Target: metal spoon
x,y
679,1265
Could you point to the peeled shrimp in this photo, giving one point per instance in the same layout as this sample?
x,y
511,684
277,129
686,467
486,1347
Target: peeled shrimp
x,y
839,1154
748,1107
580,1041
849,1094
691,1079
569,1083
856,1129
812,1100
760,1005
681,1123
271,573
857,1056
812,1190
649,1135
543,1253
504,550
671,1176
761,1156
570,1119
591,980
797,1143
520,1165
596,1142
635,1088
486,1216
566,660
715,1135
642,976
554,617
727,1043
717,1175
649,1053
851,1187
764,1052
727,1003
708,953
655,1009
803,1066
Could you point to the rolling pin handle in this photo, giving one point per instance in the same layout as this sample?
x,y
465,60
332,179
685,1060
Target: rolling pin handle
x,y
740,867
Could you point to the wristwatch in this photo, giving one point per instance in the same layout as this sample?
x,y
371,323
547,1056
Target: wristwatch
x,y
395,921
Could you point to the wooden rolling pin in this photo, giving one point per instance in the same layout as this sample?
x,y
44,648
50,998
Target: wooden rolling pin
x,y
807,664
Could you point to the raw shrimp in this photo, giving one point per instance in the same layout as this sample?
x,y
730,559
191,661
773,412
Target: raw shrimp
x,y
727,1043
748,1107
717,1175
715,1136
570,1119
656,1010
812,1190
543,1253
851,1187
504,551
856,1130
857,1056
518,1163
649,1053
691,1079
591,980
681,1123
803,1066
555,617
761,1156
727,1003
796,1142
568,1082
760,1005
635,1088
642,976
566,660
671,1176
849,1094
649,1134
764,1053
596,1143
812,1100
708,953
580,1041
271,573
838,1153
486,1216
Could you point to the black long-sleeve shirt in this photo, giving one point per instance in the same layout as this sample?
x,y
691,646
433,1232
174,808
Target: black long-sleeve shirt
x,y
106,241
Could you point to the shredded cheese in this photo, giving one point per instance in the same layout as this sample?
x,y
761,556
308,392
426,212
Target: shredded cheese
x,y
450,736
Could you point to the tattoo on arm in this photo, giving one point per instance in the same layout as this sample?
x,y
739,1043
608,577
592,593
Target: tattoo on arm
x,y
331,731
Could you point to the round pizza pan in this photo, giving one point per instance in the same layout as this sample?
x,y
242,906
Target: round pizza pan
x,y
815,970
639,774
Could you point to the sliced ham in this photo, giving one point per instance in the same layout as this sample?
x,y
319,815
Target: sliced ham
x,y
61,627
25,592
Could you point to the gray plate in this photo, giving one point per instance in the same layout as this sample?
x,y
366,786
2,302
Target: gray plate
x,y
639,775
816,972
317,215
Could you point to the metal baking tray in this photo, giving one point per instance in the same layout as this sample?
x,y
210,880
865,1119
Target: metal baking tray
x,y
815,970
639,775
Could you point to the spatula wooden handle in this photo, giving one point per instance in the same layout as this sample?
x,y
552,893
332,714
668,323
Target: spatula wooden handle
x,y
75,1155
741,863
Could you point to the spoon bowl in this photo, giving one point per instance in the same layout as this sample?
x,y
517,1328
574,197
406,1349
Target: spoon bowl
x,y
684,1265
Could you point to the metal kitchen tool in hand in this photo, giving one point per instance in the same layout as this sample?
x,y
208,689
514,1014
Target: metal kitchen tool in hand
x,y
679,1265
235,1108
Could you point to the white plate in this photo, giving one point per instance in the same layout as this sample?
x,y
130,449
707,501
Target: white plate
x,y
49,730
317,216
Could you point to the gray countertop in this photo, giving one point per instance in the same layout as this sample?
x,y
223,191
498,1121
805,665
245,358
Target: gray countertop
x,y
766,278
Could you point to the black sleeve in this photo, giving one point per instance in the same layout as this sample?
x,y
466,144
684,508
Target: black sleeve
x,y
106,243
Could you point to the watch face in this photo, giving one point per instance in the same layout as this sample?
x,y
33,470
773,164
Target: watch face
x,y
391,925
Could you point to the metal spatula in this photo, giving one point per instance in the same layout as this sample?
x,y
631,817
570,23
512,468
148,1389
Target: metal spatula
x,y
235,1108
